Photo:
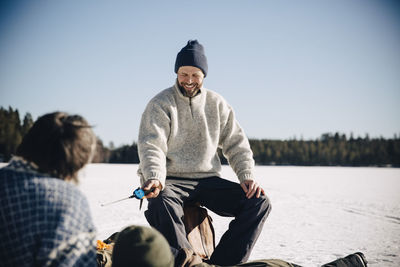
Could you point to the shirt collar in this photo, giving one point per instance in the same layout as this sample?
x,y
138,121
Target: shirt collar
x,y
22,165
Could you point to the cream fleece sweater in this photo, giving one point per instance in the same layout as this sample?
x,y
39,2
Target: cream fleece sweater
x,y
179,136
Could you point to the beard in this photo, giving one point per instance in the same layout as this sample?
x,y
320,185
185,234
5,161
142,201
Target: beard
x,y
190,89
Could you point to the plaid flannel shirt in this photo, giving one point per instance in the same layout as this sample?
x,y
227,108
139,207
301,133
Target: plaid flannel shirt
x,y
44,221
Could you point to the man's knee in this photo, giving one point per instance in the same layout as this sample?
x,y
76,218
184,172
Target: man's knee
x,y
164,199
163,209
263,205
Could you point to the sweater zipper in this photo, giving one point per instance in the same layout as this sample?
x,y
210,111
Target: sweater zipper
x,y
190,107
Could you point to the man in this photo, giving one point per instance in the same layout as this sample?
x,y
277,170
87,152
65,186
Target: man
x,y
181,129
44,219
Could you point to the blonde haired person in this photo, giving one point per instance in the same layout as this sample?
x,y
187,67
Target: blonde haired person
x,y
44,219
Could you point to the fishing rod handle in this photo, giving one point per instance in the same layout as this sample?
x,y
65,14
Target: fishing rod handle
x,y
139,193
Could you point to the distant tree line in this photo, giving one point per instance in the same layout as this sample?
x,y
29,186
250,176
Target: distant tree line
x,y
12,130
328,150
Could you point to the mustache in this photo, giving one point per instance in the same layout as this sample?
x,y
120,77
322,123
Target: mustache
x,y
195,87
195,84
189,93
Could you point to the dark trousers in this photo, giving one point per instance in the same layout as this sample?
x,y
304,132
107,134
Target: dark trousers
x,y
221,196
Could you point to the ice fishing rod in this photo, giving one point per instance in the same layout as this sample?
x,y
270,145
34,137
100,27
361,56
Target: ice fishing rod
x,y
138,193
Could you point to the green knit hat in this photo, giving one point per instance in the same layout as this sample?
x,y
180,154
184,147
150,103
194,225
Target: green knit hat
x,y
141,246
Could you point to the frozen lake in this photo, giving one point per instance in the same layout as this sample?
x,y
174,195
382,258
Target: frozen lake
x,y
318,213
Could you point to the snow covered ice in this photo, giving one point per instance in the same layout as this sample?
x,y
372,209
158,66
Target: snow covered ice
x,y
318,213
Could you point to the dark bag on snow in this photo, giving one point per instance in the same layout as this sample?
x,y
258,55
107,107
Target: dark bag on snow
x,y
353,260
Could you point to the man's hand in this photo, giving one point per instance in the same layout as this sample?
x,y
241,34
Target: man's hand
x,y
251,187
153,185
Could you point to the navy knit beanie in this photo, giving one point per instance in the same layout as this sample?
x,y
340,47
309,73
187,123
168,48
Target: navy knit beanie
x,y
192,55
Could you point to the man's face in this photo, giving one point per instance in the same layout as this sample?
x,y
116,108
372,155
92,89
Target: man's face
x,y
190,78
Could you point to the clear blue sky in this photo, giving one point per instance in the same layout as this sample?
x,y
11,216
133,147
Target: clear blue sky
x,y
288,68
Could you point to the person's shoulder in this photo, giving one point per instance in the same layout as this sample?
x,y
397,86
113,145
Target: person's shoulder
x,y
12,177
163,94
57,191
44,194
163,99
210,94
64,199
215,99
